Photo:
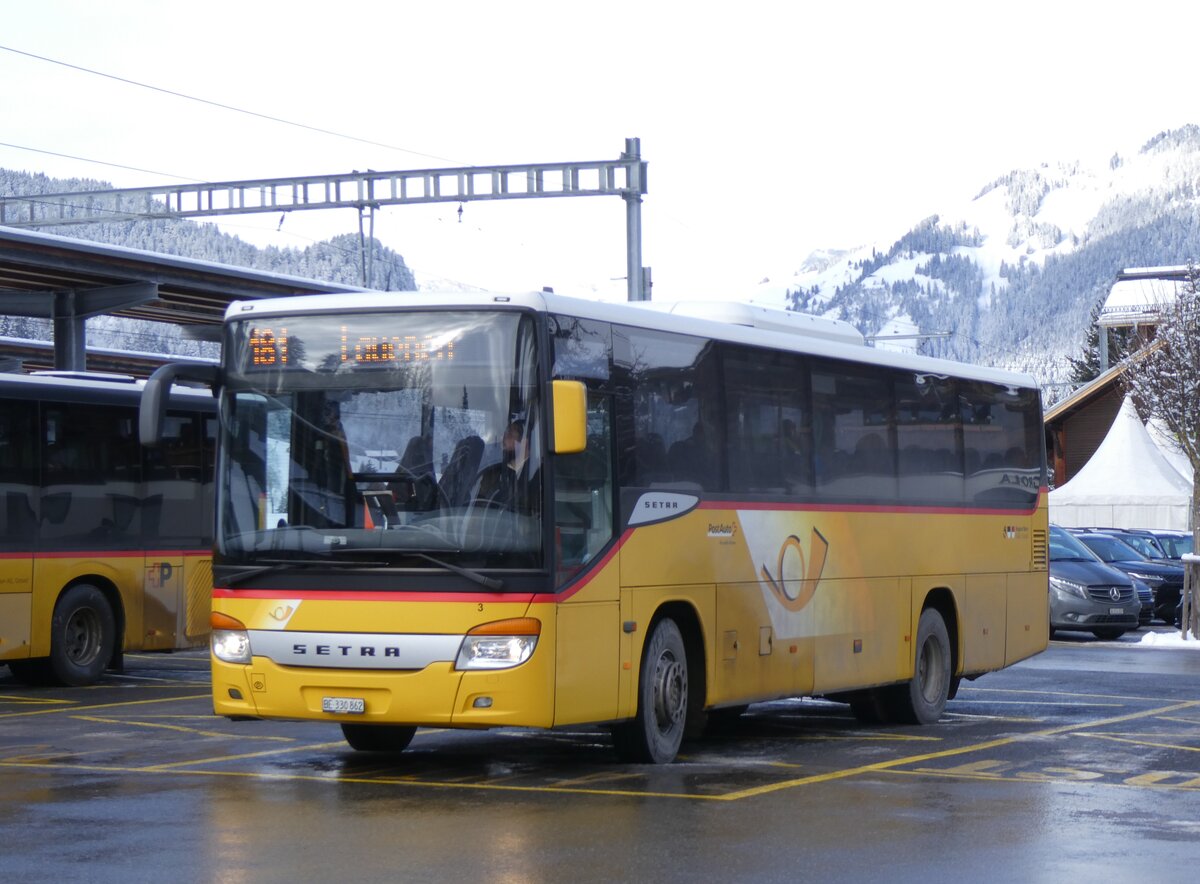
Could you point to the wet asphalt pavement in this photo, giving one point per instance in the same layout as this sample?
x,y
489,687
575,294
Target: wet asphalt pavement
x,y
1084,761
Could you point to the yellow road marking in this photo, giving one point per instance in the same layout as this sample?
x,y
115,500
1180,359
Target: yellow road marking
x,y
947,753
178,727
32,701
399,781
1042,703
1146,781
1181,720
1116,739
890,766
72,708
1036,693
974,716
219,759
598,777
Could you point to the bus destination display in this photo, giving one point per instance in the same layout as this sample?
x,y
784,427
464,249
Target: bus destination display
x,y
269,348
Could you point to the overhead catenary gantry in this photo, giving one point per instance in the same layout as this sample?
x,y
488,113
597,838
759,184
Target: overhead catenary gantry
x,y
364,191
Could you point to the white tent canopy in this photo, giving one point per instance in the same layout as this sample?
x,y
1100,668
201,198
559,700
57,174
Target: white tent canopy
x,y
1127,483
1170,447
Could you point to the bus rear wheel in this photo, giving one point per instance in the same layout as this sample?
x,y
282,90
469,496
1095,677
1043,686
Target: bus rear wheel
x,y
378,737
656,732
922,700
83,634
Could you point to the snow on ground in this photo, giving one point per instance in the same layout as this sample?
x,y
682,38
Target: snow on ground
x,y
1167,640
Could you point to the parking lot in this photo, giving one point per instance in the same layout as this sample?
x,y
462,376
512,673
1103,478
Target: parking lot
x,y
1086,757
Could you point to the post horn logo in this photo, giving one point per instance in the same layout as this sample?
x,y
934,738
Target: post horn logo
x,y
795,594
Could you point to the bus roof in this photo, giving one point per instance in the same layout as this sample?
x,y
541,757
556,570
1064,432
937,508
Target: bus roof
x,y
725,321
72,384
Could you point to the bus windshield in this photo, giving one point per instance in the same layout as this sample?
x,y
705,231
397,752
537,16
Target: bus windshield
x,y
393,438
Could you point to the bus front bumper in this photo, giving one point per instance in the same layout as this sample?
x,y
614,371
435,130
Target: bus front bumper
x,y
436,696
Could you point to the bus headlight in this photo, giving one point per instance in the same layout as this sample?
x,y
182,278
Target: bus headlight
x,y
230,640
499,645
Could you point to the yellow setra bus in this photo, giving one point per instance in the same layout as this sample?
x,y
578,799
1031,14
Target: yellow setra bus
x,y
528,510
105,547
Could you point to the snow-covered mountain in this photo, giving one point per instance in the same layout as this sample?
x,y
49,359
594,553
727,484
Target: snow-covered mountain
x,y
1009,277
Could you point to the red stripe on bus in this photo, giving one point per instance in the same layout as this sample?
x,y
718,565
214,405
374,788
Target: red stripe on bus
x,y
107,554
333,595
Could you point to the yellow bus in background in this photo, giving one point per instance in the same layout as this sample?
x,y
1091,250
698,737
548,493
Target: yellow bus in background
x,y
105,547
527,510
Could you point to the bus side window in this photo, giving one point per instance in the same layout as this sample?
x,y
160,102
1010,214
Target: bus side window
x,y
173,505
852,420
91,478
768,422
929,438
583,493
18,473
997,422
678,435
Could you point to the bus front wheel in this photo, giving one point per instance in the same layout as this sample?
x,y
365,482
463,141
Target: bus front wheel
x,y
922,700
656,732
83,634
378,737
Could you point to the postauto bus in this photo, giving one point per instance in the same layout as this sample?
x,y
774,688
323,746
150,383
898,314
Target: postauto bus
x,y
527,510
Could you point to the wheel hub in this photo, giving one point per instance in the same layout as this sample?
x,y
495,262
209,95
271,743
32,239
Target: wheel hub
x,y
670,691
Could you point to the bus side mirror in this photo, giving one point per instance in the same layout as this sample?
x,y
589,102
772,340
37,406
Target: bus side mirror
x,y
570,417
157,392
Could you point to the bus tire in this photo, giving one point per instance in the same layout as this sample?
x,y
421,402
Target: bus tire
x,y
378,737
83,634
656,732
922,700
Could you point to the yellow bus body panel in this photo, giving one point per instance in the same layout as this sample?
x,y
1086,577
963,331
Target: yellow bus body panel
x,y
16,607
783,602
163,598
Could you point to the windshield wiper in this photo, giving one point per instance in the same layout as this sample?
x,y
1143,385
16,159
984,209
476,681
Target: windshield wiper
x,y
271,566
492,583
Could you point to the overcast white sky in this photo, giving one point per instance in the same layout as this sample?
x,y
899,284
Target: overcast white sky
x,y
770,129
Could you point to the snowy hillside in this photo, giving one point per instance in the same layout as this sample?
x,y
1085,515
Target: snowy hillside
x,y
1010,276
339,260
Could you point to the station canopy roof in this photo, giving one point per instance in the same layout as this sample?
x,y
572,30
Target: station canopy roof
x,y
68,280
